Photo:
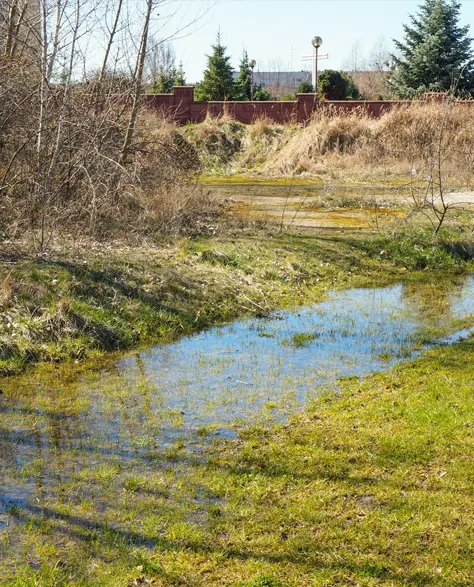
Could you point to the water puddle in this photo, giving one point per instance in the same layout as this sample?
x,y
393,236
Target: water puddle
x,y
142,411
314,205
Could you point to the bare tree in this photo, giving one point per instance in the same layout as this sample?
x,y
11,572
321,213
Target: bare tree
x,y
369,73
355,60
76,149
160,59
138,79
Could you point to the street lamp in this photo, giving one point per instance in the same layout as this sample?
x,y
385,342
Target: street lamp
x,y
252,64
316,42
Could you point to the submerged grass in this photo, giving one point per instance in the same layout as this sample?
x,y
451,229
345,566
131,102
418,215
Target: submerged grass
x,y
370,486
77,303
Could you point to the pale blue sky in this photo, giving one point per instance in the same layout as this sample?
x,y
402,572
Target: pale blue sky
x,y
277,32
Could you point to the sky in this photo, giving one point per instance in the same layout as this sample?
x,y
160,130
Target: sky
x,y
276,33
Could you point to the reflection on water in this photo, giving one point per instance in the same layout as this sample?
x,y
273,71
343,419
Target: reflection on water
x,y
137,413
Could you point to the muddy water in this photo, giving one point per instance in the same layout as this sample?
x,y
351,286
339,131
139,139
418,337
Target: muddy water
x,y
315,205
136,413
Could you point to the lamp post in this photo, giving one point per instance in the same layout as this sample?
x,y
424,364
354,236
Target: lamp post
x,y
252,64
316,42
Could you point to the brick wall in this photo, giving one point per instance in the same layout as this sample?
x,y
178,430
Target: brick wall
x,y
180,106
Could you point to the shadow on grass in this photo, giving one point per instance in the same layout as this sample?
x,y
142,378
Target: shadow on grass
x,y
102,537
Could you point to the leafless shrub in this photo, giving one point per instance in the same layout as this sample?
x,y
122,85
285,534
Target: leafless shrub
x,y
89,192
79,153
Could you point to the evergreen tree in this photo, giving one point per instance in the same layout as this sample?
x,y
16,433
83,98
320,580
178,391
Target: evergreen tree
x,y
243,82
352,91
166,80
305,87
218,81
262,95
180,78
333,85
436,53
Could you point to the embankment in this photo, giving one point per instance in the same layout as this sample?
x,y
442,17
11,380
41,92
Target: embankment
x,y
76,303
408,141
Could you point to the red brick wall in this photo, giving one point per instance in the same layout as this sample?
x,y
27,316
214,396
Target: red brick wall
x,y
181,106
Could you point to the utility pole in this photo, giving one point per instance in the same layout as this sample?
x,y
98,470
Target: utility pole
x,y
252,64
315,57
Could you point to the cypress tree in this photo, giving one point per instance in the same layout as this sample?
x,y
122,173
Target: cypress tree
x,y
218,81
436,53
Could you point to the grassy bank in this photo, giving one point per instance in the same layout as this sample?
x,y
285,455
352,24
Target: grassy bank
x,y
373,487
403,143
370,486
78,302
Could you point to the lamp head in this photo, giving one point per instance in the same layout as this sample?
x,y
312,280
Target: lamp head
x,y
252,63
317,42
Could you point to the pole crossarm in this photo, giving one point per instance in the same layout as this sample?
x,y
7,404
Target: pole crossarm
x,y
310,57
315,57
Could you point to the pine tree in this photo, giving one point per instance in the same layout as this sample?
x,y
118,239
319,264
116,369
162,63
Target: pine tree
x,y
436,54
244,80
165,82
180,78
352,89
261,94
218,81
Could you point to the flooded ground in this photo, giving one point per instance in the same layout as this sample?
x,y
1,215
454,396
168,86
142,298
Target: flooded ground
x,y
315,205
325,206
69,440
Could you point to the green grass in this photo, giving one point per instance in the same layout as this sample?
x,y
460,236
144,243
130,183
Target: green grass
x,y
301,339
76,304
370,486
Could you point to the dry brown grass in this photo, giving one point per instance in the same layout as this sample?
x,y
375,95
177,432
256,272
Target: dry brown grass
x,y
343,144
6,291
261,126
404,139
217,139
327,135
215,125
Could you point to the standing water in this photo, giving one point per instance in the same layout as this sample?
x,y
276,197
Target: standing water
x,y
138,411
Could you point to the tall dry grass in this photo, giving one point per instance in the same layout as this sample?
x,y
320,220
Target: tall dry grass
x,y
402,140
263,140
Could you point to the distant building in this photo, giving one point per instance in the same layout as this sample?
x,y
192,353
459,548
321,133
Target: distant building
x,y
280,82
